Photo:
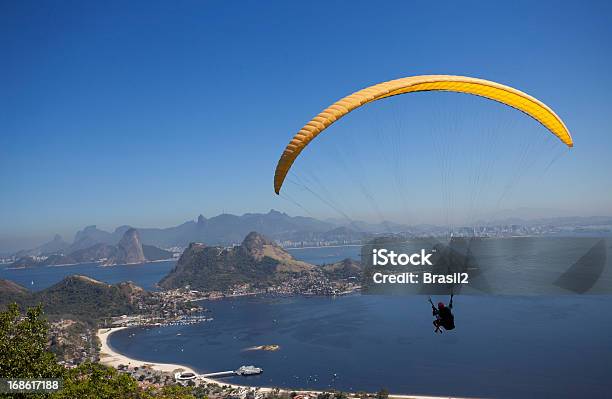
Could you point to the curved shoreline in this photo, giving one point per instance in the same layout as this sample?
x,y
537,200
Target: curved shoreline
x,y
112,358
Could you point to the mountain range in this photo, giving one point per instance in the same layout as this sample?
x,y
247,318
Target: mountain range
x,y
228,229
128,250
224,229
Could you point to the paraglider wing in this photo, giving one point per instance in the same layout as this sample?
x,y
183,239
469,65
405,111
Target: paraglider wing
x,y
460,84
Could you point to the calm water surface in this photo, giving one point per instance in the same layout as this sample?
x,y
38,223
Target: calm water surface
x,y
503,346
325,255
145,275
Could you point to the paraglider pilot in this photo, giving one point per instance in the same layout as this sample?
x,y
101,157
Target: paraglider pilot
x,y
444,315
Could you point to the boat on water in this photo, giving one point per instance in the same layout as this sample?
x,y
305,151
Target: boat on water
x,y
249,370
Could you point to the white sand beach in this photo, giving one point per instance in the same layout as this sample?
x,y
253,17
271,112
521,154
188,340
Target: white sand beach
x,y
111,358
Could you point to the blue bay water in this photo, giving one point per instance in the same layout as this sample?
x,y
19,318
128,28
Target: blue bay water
x,y
326,255
503,346
145,275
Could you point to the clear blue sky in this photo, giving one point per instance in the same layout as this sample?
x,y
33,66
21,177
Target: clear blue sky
x,y
150,113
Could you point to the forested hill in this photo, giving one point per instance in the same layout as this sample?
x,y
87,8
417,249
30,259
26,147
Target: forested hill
x,y
257,260
77,296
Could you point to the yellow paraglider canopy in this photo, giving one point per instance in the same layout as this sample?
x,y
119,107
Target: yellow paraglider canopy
x,y
460,84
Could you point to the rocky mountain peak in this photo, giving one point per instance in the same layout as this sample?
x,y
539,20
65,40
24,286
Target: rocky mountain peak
x,y
131,247
131,291
258,260
254,244
192,249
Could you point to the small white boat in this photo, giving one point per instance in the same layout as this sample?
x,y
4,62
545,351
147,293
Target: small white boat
x,y
249,370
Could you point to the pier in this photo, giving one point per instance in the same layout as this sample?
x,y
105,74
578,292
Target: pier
x,y
243,371
218,374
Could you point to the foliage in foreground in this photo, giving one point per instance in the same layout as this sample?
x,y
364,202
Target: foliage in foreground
x,y
24,354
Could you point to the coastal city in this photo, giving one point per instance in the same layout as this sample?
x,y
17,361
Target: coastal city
x,y
75,341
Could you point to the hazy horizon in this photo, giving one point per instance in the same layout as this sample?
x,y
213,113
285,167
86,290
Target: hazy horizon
x,y
14,242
